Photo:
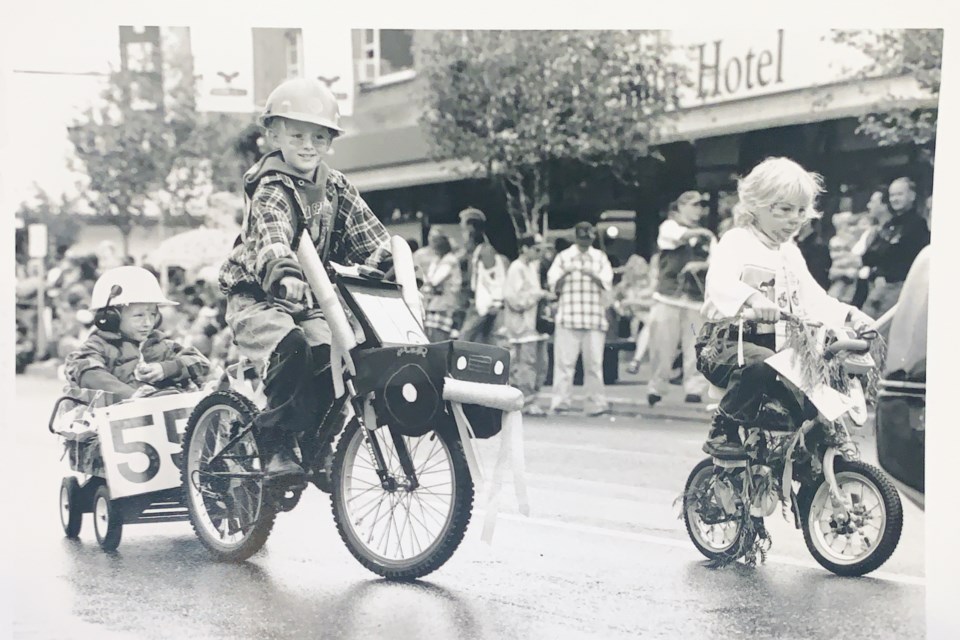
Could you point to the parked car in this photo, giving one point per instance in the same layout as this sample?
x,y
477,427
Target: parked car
x,y
901,400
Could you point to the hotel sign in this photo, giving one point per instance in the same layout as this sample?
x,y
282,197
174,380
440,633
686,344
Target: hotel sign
x,y
723,66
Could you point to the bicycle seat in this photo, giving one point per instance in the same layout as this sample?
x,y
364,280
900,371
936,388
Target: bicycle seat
x,y
728,452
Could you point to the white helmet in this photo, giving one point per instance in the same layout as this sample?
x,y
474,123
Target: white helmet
x,y
126,285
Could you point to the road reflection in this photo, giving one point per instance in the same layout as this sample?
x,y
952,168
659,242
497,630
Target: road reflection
x,y
172,584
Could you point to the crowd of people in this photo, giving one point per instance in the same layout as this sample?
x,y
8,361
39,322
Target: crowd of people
x,y
552,293
197,320
863,264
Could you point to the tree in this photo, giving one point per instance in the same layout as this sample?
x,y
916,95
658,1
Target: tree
x,y
62,226
913,52
146,147
513,103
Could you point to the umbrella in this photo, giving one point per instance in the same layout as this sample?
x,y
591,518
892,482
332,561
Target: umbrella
x,y
194,249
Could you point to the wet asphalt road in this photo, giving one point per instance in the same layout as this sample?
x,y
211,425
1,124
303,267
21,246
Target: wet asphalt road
x,y
602,556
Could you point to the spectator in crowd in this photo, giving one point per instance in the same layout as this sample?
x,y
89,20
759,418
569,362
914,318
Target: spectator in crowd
x,y
815,251
486,271
441,289
878,214
424,257
522,295
892,250
844,264
633,297
581,276
675,318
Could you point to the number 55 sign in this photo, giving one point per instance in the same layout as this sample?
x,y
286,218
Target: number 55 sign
x,y
140,441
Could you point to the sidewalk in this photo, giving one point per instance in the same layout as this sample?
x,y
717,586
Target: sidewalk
x,y
628,397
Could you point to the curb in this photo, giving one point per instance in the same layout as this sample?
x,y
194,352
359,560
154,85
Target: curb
x,y
637,407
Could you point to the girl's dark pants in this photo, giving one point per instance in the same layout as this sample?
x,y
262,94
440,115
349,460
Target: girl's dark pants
x,y
748,386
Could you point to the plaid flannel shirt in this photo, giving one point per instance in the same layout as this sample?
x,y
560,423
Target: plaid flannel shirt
x,y
270,224
119,357
582,301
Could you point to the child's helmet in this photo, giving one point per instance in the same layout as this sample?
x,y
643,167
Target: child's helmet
x,y
126,285
306,100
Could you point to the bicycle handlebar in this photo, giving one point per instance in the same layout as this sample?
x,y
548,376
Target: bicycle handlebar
x,y
860,343
751,315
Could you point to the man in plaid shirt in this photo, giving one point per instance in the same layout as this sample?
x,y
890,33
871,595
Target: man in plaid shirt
x,y
273,321
580,275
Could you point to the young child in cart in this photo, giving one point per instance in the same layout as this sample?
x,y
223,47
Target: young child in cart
x,y
125,355
756,265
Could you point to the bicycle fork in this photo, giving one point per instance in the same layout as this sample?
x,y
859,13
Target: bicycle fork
x,y
363,410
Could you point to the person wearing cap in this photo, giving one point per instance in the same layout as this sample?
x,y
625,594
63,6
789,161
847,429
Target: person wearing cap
x,y
486,271
289,191
581,276
684,247
125,354
522,294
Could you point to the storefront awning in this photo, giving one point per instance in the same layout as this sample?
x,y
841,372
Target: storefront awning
x,y
802,106
409,175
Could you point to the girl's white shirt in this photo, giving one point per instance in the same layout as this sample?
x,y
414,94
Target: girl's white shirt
x,y
741,257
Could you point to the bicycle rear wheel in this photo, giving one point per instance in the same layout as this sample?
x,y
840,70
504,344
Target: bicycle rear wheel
x,y
401,532
225,497
719,536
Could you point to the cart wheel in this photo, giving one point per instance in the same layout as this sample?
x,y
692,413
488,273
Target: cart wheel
x,y
107,520
71,511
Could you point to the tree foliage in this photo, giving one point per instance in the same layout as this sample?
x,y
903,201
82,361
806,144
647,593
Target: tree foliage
x,y
511,102
913,52
142,145
58,216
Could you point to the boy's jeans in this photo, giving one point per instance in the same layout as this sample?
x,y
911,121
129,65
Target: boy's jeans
x,y
283,350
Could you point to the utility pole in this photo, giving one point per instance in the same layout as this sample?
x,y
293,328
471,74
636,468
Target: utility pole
x,y
37,252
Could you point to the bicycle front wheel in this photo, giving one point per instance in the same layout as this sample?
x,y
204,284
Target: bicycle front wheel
x,y
396,530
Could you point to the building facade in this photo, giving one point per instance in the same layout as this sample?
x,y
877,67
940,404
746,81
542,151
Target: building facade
x,y
753,94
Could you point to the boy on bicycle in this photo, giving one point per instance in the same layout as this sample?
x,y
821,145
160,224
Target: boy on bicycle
x,y
268,307
756,265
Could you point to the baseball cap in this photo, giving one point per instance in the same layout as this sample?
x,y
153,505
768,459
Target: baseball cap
x,y
690,197
585,231
472,213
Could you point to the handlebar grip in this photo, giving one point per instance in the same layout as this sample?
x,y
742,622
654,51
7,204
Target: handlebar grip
x,y
849,344
370,272
750,315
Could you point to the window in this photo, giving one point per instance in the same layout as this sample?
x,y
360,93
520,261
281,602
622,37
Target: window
x,y
386,55
142,58
277,56
293,39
